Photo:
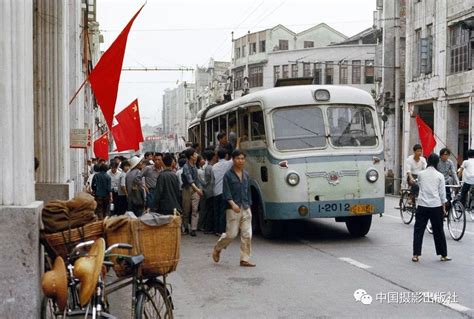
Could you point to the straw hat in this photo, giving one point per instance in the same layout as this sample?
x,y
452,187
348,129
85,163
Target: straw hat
x,y
87,270
54,283
134,161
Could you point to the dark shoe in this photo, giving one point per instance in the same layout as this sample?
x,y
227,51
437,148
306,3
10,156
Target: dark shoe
x,y
244,263
445,258
216,255
193,233
415,259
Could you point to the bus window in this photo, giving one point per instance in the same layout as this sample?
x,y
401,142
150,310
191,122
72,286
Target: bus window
x,y
351,126
208,133
223,124
244,126
232,131
299,128
258,127
215,131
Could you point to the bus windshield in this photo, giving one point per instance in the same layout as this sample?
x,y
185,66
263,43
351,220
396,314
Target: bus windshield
x,y
351,126
299,128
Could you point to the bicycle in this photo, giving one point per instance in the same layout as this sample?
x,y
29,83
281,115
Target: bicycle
x,y
456,216
150,297
470,203
407,205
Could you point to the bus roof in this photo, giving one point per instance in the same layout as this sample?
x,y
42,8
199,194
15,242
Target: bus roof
x,y
295,95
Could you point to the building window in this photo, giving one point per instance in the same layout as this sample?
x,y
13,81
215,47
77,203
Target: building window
x,y
343,72
306,69
253,48
256,76
276,72
238,79
460,45
243,50
285,71
355,72
318,74
309,44
294,70
369,71
283,45
237,53
427,51
262,46
329,73
416,53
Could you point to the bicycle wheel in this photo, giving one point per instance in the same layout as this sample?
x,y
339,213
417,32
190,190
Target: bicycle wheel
x,y
429,228
456,220
406,209
154,301
48,308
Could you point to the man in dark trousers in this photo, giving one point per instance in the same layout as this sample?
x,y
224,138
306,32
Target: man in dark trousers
x,y
191,191
102,190
239,217
167,189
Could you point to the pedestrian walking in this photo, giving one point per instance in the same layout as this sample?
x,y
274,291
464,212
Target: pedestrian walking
x,y
191,191
431,206
122,203
114,174
135,187
218,171
208,188
236,190
102,190
150,173
167,189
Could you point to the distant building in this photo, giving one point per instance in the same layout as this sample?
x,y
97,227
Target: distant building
x,y
176,114
260,58
439,73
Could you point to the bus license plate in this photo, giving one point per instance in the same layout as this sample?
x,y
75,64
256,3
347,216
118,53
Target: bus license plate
x,y
359,209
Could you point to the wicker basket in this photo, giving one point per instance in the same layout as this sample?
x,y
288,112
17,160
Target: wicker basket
x,y
160,245
62,243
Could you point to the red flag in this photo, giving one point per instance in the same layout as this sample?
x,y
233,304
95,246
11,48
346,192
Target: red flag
x,y
129,120
105,76
425,133
101,147
123,140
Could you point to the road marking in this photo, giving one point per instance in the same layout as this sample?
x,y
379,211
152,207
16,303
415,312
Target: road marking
x,y
456,306
355,262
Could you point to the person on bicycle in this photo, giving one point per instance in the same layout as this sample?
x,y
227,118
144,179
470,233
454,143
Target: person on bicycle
x,y
467,173
431,206
415,163
447,168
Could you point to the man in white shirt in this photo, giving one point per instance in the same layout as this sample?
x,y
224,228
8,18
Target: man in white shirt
x,y
415,163
114,174
218,171
431,205
467,173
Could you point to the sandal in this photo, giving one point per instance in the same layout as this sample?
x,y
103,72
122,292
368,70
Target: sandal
x,y
415,259
445,258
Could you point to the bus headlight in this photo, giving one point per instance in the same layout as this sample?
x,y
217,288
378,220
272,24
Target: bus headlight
x,y
372,175
293,179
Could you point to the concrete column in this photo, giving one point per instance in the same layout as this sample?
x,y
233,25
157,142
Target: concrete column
x,y
440,108
51,99
77,108
19,213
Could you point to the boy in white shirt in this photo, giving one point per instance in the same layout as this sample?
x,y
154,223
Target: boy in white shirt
x,y
467,173
415,164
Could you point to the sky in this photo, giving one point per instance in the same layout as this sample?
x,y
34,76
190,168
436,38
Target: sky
x,y
186,34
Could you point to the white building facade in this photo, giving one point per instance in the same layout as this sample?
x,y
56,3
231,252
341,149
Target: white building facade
x,y
439,73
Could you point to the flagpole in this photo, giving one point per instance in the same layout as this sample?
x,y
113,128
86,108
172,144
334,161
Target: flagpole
x,y
78,90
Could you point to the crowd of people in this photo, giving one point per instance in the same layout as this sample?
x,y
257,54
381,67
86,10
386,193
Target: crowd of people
x,y
209,188
428,180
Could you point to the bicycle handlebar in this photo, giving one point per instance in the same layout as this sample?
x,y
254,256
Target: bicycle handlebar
x,y
118,245
81,245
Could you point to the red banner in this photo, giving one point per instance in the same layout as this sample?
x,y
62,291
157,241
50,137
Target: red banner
x,y
427,139
101,147
105,76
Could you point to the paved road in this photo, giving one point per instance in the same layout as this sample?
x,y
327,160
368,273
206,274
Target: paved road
x,y
314,271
